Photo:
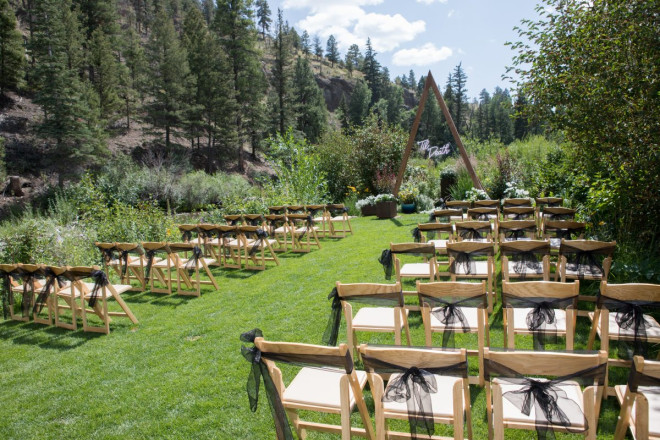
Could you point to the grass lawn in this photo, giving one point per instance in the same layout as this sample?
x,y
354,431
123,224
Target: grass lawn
x,y
179,373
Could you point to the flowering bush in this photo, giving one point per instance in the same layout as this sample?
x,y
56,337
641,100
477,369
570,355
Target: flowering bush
x,y
369,201
385,198
408,194
476,194
512,191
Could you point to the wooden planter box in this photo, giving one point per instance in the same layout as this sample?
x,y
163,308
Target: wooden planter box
x,y
368,210
386,209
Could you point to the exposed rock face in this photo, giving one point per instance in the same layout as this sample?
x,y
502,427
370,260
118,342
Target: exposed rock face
x,y
409,99
333,89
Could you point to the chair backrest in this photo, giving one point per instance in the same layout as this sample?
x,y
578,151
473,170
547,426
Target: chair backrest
x,y
544,363
447,215
295,209
474,230
486,203
509,248
518,212
158,246
413,248
253,219
308,354
366,290
8,268
482,213
438,228
541,289
280,210
646,367
134,248
409,357
558,213
452,289
298,217
605,248
486,248
315,210
233,219
459,204
516,229
632,292
336,208
562,228
548,201
516,202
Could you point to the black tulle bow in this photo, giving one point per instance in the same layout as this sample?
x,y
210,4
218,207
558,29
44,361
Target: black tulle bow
x,y
151,254
514,234
450,314
259,371
260,235
584,263
186,236
193,261
415,387
43,296
463,260
100,281
28,293
417,235
109,254
523,261
471,234
630,316
7,294
387,260
431,217
331,332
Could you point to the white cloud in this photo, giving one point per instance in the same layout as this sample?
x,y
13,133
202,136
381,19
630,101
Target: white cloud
x,y
421,56
451,13
351,24
428,2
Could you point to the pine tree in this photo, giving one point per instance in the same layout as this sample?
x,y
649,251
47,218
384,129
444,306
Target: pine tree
x,y
358,107
318,51
282,105
263,16
353,57
235,28
331,50
70,105
97,14
411,79
311,111
459,97
168,78
12,56
372,73
208,10
106,70
305,44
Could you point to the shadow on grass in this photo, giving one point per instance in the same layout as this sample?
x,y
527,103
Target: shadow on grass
x,y
51,337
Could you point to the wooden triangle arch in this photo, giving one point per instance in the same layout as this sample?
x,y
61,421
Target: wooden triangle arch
x,y
430,83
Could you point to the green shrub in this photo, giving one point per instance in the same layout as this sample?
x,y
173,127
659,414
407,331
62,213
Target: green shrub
x,y
462,186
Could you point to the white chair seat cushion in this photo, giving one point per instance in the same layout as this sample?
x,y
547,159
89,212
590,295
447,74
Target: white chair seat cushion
x,y
652,331
375,318
135,262
320,387
206,260
471,317
338,218
304,230
319,219
527,270
512,414
442,402
652,394
520,320
120,288
162,264
416,269
477,268
590,271
280,230
439,244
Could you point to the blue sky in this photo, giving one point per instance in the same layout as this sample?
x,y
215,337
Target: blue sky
x,y
421,35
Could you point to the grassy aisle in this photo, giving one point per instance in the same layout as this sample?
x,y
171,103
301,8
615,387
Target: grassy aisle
x,y
178,373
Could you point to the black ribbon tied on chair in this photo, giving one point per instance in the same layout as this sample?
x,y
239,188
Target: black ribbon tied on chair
x,y
109,254
584,263
7,294
522,261
541,320
192,262
186,236
100,281
463,260
28,292
514,234
260,235
151,254
331,332
259,370
629,315
417,235
471,234
43,296
414,386
552,405
448,312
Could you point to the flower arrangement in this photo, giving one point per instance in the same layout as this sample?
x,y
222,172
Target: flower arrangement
x,y
476,194
408,194
512,191
369,201
385,198
385,180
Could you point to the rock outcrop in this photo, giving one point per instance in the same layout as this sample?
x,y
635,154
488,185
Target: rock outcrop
x,y
333,90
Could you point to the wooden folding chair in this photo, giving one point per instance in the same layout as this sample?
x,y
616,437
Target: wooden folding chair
x,y
486,214
438,234
190,234
9,275
556,230
514,230
466,261
127,260
426,269
67,298
32,279
447,215
451,307
524,260
303,232
508,384
94,297
234,219
541,309
518,213
230,245
640,401
557,213
338,215
585,260
385,312
328,383
543,202
277,210
296,209
188,269
159,270
623,314
209,235
516,202
406,368
473,231
257,247
462,205
277,226
45,296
